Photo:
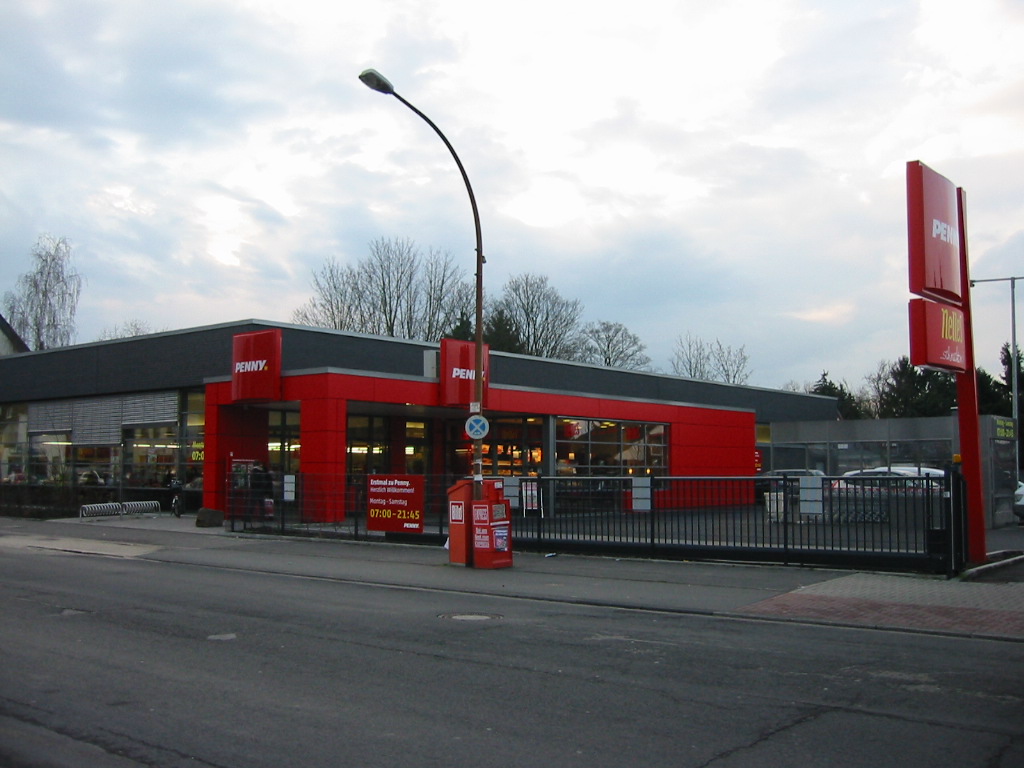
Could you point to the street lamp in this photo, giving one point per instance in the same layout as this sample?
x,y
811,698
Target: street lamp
x,y
375,80
1014,362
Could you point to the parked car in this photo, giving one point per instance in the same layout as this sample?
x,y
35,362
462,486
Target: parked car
x,y
90,477
891,477
866,478
865,495
914,471
1018,502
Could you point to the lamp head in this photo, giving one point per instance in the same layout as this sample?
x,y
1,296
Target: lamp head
x,y
375,80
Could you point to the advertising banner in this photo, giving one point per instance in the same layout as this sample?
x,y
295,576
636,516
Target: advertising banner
x,y
256,366
395,503
933,228
458,372
937,336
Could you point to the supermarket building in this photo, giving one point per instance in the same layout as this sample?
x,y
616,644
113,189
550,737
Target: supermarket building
x,y
334,407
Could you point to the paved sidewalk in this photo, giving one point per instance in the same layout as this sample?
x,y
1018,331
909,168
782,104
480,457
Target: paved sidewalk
x,y
980,606
987,601
906,602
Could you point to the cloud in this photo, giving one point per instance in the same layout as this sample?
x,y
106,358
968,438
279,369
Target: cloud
x,y
731,169
833,314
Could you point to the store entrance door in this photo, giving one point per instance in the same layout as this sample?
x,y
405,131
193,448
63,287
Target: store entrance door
x,y
283,442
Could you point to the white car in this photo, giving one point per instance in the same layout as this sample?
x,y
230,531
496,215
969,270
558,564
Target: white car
x,y
912,471
1018,502
885,479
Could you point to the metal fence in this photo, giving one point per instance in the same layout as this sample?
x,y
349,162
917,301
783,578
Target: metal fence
x,y
52,501
903,523
900,523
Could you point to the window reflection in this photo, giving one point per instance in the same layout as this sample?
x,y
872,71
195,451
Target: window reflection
x,y
591,447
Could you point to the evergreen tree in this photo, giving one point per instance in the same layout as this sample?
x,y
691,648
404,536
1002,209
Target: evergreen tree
x,y
905,391
993,396
502,334
848,405
462,330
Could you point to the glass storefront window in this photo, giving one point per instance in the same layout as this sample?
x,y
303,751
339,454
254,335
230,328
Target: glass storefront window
x,y
368,445
382,445
50,459
921,453
284,447
590,447
586,447
514,447
150,455
417,447
193,440
14,451
96,465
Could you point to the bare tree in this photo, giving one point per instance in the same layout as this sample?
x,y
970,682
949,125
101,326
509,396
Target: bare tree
x,y
730,365
446,296
336,301
697,359
614,346
43,305
394,291
546,324
126,329
692,358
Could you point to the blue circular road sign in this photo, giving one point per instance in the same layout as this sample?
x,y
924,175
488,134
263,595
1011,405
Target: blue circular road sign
x,y
477,427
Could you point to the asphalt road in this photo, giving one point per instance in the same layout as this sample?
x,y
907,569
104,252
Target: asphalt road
x,y
161,653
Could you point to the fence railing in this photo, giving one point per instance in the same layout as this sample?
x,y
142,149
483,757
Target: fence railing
x,y
50,501
907,523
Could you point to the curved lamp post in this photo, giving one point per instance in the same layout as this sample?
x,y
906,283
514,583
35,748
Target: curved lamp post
x,y
375,80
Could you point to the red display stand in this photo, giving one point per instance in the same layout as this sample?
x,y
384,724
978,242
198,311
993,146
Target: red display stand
x,y
460,497
479,532
492,535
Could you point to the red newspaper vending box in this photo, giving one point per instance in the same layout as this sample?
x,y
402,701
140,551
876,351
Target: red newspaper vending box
x,y
463,512
460,496
492,534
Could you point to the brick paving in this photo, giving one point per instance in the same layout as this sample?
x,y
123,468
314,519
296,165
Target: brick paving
x,y
905,602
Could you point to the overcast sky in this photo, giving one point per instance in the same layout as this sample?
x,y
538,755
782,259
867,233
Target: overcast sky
x,y
731,169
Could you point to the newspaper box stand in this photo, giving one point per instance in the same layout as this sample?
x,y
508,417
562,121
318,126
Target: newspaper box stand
x,y
479,531
492,535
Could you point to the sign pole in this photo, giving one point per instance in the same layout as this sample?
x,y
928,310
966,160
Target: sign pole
x,y
967,411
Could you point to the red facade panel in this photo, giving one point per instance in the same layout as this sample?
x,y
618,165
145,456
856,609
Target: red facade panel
x,y
700,441
731,433
232,433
